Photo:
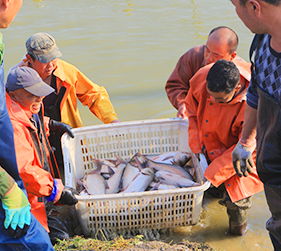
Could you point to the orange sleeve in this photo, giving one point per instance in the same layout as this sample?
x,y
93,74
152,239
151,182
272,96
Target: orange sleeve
x,y
90,94
191,112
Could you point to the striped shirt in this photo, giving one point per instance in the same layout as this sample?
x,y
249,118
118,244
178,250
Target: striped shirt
x,y
267,72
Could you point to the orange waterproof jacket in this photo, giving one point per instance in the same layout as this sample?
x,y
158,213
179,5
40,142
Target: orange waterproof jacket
x,y
217,128
38,182
189,63
79,86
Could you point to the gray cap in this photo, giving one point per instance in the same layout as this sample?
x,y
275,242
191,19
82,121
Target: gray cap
x,y
43,47
29,79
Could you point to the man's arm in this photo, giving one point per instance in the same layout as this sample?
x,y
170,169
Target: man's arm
x,y
177,85
249,131
191,107
95,97
6,182
242,152
15,204
40,182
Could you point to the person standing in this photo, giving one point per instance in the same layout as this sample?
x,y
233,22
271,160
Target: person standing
x,y
21,230
262,125
215,107
70,84
222,43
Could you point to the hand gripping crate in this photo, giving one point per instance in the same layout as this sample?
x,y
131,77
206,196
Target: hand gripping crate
x,y
140,210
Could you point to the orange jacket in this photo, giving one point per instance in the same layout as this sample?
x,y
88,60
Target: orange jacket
x,y
217,127
38,182
177,85
79,86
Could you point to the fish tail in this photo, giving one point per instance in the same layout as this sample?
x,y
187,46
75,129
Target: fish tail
x,y
98,165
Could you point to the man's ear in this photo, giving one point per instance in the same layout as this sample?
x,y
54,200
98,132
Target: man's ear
x,y
11,94
29,59
233,55
255,6
5,3
238,87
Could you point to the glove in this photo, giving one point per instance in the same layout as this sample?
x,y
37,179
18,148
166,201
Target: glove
x,y
17,212
242,159
68,197
60,128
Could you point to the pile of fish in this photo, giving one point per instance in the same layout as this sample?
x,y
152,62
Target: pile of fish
x,y
140,173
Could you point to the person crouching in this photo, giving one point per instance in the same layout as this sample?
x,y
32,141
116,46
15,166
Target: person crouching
x,y
36,162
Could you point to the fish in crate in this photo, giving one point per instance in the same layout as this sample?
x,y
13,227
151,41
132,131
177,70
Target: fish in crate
x,y
140,173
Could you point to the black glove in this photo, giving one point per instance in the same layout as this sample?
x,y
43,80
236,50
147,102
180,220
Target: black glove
x,y
242,159
68,197
246,169
60,128
18,232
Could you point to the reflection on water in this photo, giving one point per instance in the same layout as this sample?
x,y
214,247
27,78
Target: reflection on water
x,y
131,48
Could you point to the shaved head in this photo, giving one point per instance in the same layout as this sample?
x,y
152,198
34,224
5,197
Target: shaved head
x,y
225,35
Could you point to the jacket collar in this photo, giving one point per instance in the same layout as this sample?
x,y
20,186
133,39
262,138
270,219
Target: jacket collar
x,y
59,72
19,112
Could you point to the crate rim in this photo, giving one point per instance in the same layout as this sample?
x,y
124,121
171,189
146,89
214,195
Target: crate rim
x,y
122,124
144,194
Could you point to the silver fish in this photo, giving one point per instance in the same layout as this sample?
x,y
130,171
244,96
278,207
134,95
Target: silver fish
x,y
141,181
93,182
164,157
132,169
174,179
83,193
107,167
113,183
161,186
174,169
181,159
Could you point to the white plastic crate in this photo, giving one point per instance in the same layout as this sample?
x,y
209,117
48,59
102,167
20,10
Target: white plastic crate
x,y
139,210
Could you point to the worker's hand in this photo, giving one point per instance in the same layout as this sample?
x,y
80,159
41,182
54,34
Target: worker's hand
x,y
115,121
182,111
60,128
68,197
242,159
17,212
59,188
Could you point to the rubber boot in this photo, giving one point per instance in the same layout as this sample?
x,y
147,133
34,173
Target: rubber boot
x,y
58,231
236,229
237,213
237,221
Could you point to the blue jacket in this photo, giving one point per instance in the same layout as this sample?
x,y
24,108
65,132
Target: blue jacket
x,y
37,237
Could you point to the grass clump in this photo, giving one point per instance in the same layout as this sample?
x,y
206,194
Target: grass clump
x,y
80,243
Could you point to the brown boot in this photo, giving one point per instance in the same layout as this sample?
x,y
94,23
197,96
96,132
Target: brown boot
x,y
235,229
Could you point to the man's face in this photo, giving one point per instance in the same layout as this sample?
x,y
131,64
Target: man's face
x,y
221,97
28,100
246,14
44,69
216,50
10,11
